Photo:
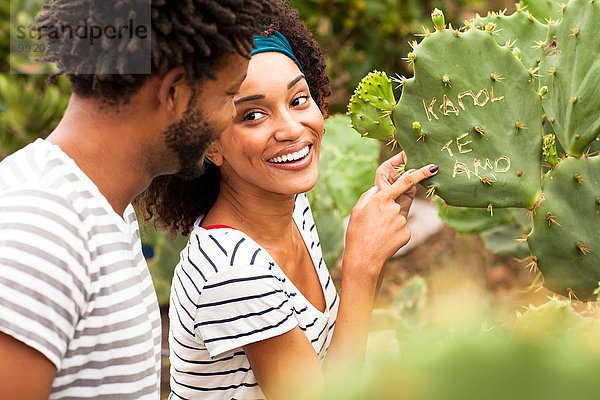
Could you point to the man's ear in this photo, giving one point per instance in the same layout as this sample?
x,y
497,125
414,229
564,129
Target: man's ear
x,y
174,92
215,153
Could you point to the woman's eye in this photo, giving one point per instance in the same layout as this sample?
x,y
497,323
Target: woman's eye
x,y
299,100
253,116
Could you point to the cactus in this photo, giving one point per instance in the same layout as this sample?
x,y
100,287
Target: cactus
x,y
543,10
511,105
501,230
505,240
565,238
347,164
570,70
329,223
479,119
471,220
347,168
520,29
371,105
549,149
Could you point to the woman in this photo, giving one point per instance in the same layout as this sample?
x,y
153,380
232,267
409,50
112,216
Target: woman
x,y
253,308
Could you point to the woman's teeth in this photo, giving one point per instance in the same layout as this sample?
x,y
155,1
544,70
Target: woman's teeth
x,y
298,155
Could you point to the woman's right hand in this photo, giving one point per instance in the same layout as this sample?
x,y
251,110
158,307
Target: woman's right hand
x,y
377,228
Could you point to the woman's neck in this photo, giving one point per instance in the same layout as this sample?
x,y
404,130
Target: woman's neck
x,y
265,216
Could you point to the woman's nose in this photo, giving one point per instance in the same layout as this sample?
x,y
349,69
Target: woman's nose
x,y
288,127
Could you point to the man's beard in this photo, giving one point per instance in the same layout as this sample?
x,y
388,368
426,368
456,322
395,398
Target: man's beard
x,y
189,138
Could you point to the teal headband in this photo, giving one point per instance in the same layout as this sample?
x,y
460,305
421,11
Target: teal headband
x,y
274,42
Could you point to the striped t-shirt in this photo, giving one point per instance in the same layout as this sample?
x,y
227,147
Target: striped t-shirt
x,y
73,282
228,292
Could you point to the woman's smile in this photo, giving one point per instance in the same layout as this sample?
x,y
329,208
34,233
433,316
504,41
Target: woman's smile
x,y
293,160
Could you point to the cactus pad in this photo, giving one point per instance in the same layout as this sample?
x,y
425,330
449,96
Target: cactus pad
x,y
508,239
371,105
570,69
479,119
520,30
566,228
543,10
471,220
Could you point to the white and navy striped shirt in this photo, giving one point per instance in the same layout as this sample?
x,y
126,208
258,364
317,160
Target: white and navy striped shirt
x,y
73,282
228,292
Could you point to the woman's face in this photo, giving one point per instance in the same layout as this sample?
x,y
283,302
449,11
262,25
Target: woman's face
x,y
274,141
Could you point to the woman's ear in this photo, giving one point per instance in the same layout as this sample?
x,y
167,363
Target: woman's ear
x,y
215,154
174,92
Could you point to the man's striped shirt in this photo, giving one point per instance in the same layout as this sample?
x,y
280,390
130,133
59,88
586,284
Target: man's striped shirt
x,y
228,292
73,282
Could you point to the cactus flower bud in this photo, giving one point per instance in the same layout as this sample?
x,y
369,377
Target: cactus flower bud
x,y
549,149
543,91
439,21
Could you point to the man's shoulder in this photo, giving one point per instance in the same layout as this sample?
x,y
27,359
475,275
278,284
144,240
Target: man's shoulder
x,y
32,192
40,165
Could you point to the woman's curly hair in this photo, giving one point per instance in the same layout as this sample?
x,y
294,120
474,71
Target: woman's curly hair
x,y
174,203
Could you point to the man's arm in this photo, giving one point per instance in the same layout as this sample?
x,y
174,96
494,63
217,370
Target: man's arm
x,y
24,372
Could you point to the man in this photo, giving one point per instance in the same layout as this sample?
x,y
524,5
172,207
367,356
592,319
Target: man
x,y
78,313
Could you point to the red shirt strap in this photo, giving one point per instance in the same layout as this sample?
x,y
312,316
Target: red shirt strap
x,y
217,227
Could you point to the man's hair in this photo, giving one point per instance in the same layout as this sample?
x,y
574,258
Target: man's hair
x,y
195,34
174,203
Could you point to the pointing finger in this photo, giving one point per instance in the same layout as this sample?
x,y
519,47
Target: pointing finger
x,y
410,179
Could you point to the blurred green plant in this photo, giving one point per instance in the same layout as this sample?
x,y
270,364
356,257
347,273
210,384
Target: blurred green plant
x,y
359,35
162,255
347,168
30,107
546,352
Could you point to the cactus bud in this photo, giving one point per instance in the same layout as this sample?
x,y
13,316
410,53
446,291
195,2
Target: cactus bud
x,y
439,21
418,129
490,27
543,91
549,149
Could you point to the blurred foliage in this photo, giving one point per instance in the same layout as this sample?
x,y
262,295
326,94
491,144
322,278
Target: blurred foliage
x,y
347,168
162,255
461,347
30,107
359,35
